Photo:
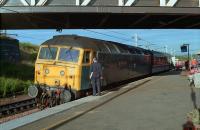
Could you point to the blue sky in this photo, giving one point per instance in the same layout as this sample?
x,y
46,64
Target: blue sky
x,y
172,38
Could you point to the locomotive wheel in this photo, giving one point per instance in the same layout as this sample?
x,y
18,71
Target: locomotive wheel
x,y
52,102
66,96
44,101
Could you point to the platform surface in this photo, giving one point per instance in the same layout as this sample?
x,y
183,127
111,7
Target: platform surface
x,y
159,104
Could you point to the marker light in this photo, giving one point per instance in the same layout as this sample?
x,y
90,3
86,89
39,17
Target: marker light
x,y
46,71
62,73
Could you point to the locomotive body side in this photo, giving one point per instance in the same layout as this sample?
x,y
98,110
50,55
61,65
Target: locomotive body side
x,y
59,76
63,64
55,72
120,67
160,62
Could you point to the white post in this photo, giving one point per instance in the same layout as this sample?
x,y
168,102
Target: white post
x,y
170,3
174,53
77,2
24,2
32,2
41,2
199,3
85,2
121,2
128,3
166,49
136,40
2,1
162,2
171,51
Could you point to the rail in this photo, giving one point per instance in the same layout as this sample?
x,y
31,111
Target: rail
x,y
17,107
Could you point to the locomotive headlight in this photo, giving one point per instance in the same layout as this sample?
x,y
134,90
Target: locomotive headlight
x,y
46,71
62,73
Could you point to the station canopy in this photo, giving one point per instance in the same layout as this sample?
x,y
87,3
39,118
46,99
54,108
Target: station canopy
x,y
98,14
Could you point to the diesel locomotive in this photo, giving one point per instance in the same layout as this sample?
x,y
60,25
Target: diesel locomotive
x,y
63,64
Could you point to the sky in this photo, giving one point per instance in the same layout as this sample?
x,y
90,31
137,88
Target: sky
x,y
168,40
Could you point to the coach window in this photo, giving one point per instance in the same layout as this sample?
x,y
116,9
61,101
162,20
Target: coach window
x,y
86,57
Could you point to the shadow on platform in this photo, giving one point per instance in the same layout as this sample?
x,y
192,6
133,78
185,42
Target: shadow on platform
x,y
193,96
172,72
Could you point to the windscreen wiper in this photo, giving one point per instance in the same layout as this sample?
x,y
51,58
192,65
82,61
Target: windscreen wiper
x,y
68,51
50,51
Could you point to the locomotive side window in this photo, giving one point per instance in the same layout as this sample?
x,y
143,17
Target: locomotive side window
x,y
48,53
112,48
86,57
68,54
121,49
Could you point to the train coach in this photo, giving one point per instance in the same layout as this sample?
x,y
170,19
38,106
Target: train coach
x,y
63,64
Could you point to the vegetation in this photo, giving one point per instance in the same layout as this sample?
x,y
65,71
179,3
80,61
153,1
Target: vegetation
x,y
185,57
20,71
11,86
17,77
182,58
28,52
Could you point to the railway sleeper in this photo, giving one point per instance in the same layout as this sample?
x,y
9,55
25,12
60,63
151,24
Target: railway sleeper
x,y
16,107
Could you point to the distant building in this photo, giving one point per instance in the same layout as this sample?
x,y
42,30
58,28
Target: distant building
x,y
9,49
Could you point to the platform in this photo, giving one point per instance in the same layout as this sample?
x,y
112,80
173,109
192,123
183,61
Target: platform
x,y
160,102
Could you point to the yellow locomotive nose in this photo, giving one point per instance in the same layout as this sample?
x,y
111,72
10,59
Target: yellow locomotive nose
x,y
51,75
57,82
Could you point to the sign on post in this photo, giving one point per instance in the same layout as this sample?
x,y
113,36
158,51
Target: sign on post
x,y
183,48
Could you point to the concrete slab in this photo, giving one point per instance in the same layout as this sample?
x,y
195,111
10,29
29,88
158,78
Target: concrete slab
x,y
36,117
47,112
161,104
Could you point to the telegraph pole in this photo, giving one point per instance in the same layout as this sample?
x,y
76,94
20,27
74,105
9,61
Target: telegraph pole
x,y
136,39
166,49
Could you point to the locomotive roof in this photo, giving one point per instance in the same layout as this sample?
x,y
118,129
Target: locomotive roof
x,y
96,44
71,40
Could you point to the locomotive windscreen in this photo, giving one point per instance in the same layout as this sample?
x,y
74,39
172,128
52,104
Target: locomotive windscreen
x,y
48,53
67,54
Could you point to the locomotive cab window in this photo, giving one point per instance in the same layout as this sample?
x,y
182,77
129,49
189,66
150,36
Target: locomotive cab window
x,y
86,57
68,54
48,53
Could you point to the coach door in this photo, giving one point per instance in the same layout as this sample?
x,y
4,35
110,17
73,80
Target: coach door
x,y
86,62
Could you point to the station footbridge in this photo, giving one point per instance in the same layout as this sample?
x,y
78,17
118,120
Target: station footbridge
x,y
97,14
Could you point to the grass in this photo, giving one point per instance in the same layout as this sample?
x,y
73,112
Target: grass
x,y
17,77
28,52
10,86
17,70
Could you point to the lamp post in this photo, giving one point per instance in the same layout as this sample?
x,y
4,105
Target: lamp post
x,y
188,50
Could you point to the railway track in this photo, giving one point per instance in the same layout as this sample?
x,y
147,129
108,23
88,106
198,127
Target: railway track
x,y
17,107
